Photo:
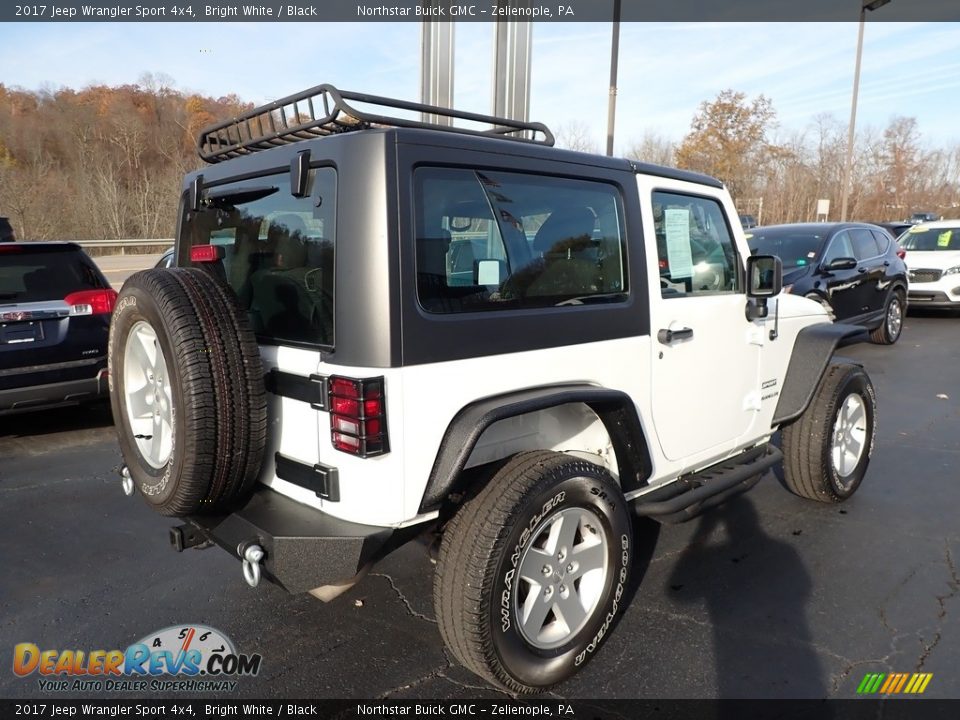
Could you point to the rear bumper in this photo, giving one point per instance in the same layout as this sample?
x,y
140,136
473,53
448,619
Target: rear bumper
x,y
304,548
71,391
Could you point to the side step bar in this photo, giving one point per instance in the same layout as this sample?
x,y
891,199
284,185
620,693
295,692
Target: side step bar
x,y
689,496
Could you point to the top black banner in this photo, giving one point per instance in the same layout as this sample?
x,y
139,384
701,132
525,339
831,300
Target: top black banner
x,y
478,11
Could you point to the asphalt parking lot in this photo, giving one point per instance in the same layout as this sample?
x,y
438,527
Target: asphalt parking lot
x,y
768,596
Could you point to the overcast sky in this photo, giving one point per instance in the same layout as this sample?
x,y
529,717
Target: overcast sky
x,y
666,70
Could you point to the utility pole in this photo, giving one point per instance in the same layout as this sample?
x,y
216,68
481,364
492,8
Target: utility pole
x,y
614,55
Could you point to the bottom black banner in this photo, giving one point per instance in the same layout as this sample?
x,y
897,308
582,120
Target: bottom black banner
x,y
889,709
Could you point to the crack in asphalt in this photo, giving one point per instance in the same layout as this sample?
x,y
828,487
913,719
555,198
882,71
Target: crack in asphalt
x,y
414,683
845,671
403,598
837,678
954,584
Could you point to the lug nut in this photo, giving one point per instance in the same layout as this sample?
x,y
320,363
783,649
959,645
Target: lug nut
x,y
546,570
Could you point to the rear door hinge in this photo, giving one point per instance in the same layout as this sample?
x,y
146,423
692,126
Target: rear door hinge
x,y
312,389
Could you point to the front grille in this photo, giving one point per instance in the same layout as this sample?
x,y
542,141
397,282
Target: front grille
x,y
925,275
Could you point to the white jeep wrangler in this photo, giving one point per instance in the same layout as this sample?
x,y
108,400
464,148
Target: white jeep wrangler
x,y
380,326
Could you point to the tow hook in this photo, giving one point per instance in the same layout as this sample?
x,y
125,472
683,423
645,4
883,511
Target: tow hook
x,y
126,482
251,554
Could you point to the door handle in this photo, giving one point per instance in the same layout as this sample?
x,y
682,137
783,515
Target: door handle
x,y
667,336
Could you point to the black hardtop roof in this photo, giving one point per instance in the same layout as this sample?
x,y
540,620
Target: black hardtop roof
x,y
323,111
279,157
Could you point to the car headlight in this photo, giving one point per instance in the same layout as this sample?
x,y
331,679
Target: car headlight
x,y
952,271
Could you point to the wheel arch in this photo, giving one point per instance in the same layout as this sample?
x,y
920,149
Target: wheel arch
x,y
811,354
614,409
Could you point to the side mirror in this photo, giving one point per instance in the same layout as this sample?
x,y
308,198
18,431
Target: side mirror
x,y
764,276
764,280
487,272
841,263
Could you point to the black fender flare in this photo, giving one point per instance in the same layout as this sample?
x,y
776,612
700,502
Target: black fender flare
x,y
812,351
614,408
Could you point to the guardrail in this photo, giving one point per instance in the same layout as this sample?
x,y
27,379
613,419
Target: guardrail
x,y
125,247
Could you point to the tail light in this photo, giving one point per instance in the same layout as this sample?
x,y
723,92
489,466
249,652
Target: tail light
x,y
901,253
91,302
206,253
358,418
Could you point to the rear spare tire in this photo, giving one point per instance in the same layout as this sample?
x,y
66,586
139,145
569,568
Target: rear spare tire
x,y
186,387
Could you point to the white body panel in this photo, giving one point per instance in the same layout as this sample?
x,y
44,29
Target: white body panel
x,y
699,401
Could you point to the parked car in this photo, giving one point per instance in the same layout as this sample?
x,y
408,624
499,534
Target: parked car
x,y
748,221
348,369
166,260
55,307
921,217
933,256
852,269
6,231
896,229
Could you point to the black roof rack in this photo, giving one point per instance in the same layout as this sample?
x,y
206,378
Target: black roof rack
x,y
323,110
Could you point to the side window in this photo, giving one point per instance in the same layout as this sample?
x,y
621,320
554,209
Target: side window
x,y
489,240
695,251
864,244
883,241
840,247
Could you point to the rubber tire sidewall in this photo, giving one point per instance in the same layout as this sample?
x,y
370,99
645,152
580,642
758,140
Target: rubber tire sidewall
x,y
887,338
853,384
156,484
542,668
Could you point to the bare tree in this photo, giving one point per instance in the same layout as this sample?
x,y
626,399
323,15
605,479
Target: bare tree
x,y
575,135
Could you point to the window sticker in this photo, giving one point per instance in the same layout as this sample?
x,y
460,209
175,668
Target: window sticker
x,y
943,239
801,262
676,226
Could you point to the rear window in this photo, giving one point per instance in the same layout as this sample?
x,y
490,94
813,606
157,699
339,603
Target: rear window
x,y
48,274
277,252
489,240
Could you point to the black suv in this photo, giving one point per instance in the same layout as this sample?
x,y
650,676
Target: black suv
x,y
55,310
852,269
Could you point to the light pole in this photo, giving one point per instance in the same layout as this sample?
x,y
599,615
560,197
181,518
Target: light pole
x,y
614,53
865,5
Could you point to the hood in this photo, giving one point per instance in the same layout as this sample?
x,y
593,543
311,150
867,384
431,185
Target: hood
x,y
791,276
934,259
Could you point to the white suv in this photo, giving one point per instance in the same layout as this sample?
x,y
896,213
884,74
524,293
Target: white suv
x,y
380,327
933,262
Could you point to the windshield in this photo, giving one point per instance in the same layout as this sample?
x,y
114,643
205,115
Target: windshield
x,y
276,252
796,249
931,239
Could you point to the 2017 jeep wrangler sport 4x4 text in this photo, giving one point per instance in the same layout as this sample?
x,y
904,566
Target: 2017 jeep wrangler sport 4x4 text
x,y
380,326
